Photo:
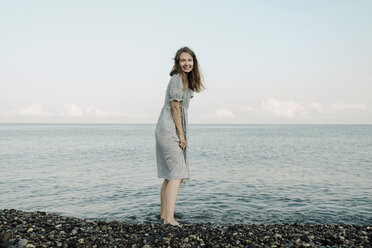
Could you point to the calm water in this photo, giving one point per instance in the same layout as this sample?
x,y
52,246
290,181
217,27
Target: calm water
x,y
239,173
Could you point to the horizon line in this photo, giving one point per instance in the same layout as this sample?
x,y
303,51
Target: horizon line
x,y
132,123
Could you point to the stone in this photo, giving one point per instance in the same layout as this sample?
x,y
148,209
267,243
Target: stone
x,y
306,239
22,243
278,236
297,235
55,231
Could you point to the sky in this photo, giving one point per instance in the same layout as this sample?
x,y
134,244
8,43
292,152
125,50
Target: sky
x,y
262,62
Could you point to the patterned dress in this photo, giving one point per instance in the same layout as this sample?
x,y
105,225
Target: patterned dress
x,y
171,159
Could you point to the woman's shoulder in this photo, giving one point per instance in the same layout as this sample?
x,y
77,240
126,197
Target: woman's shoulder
x,y
176,76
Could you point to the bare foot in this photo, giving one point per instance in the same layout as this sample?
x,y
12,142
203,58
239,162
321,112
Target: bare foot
x,y
162,218
173,223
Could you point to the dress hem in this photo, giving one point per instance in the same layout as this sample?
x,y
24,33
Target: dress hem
x,y
184,180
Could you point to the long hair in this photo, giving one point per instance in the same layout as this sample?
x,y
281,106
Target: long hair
x,y
191,79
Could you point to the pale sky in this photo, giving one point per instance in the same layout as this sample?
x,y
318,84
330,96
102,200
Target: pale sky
x,y
264,62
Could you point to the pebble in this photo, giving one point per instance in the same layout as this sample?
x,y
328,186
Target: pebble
x,y
22,243
52,230
278,236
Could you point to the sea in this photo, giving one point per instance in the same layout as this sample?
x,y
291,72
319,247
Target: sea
x,y
240,174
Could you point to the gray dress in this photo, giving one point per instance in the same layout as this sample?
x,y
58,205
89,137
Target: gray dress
x,y
171,159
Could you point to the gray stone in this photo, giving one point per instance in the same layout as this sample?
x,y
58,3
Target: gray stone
x,y
278,236
22,243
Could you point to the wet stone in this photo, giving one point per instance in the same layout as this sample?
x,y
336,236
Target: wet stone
x,y
41,229
22,243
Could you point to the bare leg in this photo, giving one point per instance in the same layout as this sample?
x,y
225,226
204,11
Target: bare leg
x,y
170,202
163,199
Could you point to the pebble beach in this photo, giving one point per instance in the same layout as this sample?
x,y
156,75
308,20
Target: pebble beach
x,y
44,229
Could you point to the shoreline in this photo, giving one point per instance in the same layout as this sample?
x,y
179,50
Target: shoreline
x,y
20,228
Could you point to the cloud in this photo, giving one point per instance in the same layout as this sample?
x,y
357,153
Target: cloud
x,y
221,113
224,112
282,108
343,106
93,110
30,110
75,110
316,106
72,110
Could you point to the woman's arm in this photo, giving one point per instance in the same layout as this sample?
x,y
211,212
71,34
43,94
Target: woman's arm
x,y
176,114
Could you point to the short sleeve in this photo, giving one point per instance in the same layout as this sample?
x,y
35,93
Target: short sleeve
x,y
176,88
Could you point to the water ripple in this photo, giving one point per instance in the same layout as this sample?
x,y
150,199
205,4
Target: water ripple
x,y
240,173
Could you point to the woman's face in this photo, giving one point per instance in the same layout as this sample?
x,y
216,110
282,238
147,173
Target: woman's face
x,y
186,62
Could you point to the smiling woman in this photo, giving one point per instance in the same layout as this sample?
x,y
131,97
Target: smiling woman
x,y
186,62
171,130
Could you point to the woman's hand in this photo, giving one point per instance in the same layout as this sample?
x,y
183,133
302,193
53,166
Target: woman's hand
x,y
182,142
176,114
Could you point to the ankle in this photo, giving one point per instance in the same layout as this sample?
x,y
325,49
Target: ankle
x,y
169,220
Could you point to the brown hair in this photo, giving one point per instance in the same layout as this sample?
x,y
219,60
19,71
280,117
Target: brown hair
x,y
193,78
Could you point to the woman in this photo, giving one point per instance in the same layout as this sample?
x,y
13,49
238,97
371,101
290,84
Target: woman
x,y
171,130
